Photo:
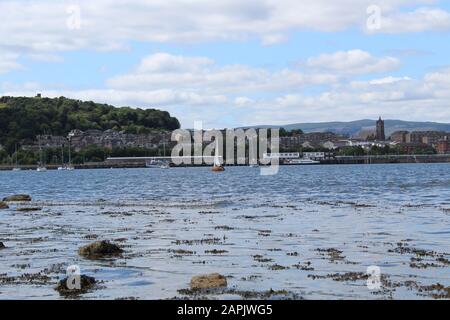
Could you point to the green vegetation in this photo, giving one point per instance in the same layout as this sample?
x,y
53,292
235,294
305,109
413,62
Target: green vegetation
x,y
88,154
291,133
22,119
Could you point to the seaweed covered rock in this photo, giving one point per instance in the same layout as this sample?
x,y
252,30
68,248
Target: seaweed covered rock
x,y
17,198
86,283
28,209
208,281
3,205
100,249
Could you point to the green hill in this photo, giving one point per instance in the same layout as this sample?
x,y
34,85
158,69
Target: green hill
x,y
22,118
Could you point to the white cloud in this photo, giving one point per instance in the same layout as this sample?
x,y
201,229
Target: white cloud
x,y
389,79
283,102
395,98
439,78
420,20
243,101
42,25
194,87
273,39
353,62
8,62
41,28
200,74
45,57
166,63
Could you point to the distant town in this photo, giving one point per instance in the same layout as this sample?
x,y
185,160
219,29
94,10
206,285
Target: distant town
x,y
96,146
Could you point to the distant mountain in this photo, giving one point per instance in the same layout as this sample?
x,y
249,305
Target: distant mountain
x,y
354,128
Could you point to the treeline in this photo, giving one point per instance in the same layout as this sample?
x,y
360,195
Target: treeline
x,y
88,154
290,133
22,118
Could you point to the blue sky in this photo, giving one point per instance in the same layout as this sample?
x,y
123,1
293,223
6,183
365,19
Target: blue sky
x,y
231,63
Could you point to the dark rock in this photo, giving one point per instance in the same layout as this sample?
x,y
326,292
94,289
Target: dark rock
x,y
100,249
18,197
2,246
3,205
86,283
28,209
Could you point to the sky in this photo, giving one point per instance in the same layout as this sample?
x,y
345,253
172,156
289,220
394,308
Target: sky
x,y
232,63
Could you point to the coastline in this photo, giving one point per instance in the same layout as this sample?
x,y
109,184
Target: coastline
x,y
390,159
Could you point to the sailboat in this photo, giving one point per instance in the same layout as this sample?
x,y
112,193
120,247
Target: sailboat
x,y
16,168
63,167
159,163
69,166
41,167
217,167
165,164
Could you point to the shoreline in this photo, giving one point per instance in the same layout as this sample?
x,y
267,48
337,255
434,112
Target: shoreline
x,y
350,160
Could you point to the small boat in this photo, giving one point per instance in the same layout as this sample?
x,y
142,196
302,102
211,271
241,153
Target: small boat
x,y
153,164
16,169
41,169
217,167
157,164
66,168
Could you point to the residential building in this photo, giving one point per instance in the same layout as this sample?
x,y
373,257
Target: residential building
x,y
400,136
443,146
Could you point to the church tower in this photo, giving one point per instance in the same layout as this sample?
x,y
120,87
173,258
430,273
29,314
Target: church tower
x,y
380,130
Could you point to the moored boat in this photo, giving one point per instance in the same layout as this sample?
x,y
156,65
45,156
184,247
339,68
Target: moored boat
x,y
303,162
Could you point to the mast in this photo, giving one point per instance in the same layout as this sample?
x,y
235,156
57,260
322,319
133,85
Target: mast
x,y
217,165
216,155
41,164
164,147
62,155
17,157
70,155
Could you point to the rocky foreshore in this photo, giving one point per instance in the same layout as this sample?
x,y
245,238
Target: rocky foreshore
x,y
179,251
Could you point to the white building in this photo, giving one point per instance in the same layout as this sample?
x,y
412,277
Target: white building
x,y
287,155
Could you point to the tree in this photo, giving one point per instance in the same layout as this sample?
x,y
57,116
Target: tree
x,y
22,118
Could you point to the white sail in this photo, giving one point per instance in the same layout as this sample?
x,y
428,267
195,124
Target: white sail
x,y
216,155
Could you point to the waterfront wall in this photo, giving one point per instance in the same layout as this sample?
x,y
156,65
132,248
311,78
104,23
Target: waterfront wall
x,y
338,160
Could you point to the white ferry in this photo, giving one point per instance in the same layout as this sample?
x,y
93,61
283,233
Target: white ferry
x,y
302,162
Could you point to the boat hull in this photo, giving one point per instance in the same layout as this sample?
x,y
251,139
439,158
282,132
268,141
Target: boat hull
x,y
217,169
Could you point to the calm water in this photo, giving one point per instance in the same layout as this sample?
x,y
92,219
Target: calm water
x,y
300,231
